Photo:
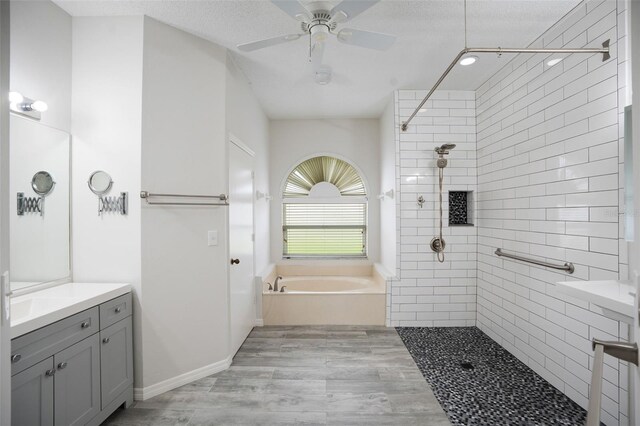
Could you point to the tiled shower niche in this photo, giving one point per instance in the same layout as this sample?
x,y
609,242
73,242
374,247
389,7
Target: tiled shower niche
x,y
460,208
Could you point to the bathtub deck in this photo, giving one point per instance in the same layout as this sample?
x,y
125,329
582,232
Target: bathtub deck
x,y
334,375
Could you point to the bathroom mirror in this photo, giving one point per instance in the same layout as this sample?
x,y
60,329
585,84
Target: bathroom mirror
x,y
40,244
100,182
42,183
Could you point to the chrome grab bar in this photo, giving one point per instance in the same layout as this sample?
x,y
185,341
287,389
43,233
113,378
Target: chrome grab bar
x,y
568,266
224,200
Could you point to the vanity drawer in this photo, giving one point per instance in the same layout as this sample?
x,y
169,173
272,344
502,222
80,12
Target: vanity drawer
x,y
114,310
40,344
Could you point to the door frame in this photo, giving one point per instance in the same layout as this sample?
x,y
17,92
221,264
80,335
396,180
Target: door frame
x,y
234,140
5,327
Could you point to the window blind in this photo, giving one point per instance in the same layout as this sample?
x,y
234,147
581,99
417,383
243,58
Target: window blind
x,y
324,229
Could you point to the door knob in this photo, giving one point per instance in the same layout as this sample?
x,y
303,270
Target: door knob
x,y
235,261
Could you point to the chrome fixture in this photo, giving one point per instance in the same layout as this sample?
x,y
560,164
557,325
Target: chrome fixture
x,y
421,201
270,288
437,243
223,200
567,266
275,283
499,50
282,288
100,183
26,106
42,184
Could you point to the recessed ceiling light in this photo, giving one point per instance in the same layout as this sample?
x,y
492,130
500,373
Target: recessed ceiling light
x,y
468,60
553,61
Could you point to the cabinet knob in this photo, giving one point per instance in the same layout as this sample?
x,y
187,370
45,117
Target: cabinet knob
x,y
85,324
118,309
50,373
62,366
15,358
235,261
105,340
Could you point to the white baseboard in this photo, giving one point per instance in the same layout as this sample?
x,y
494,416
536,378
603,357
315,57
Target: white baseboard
x,y
259,323
140,394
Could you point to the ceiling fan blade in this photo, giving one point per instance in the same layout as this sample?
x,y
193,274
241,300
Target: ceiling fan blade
x,y
366,39
317,52
293,8
261,44
349,9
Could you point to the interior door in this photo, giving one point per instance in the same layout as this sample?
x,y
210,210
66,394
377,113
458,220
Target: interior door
x,y
241,276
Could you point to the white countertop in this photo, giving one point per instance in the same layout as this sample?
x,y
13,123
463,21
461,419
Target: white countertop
x,y
34,310
618,297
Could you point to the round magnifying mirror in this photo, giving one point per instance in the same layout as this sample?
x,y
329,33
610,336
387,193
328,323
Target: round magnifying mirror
x,y
100,182
42,183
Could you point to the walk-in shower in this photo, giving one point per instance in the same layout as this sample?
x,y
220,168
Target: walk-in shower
x,y
437,243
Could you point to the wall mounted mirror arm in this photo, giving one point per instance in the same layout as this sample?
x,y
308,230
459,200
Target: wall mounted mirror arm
x,y
604,50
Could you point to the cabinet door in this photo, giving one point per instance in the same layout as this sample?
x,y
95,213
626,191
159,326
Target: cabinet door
x,y
116,355
77,384
32,395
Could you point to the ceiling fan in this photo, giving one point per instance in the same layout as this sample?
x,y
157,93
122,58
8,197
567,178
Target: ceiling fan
x,y
319,20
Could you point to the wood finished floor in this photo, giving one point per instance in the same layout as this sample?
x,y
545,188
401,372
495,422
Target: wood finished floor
x,y
325,375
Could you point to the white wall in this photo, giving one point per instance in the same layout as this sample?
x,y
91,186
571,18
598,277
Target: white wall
x,y
107,110
388,240
185,300
426,292
247,121
548,187
41,58
354,140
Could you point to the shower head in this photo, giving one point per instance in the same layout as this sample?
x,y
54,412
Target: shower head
x,y
445,148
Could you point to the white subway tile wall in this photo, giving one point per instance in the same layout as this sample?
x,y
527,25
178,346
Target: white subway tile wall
x,y
541,148
426,292
549,187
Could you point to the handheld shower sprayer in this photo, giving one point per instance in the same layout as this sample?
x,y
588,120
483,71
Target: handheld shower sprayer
x,y
437,243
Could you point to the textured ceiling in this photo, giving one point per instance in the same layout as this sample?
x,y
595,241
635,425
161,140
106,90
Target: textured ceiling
x,y
429,35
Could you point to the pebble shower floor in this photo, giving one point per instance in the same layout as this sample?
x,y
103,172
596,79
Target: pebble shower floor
x,y
477,382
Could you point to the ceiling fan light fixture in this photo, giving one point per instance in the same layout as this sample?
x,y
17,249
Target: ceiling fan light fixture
x,y
323,76
468,60
319,33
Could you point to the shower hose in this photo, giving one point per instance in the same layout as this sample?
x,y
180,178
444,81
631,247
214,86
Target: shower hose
x,y
440,252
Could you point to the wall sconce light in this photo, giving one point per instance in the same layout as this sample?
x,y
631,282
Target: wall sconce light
x,y
261,195
389,194
30,107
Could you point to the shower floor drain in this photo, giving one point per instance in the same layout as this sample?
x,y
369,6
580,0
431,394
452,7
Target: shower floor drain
x,y
466,365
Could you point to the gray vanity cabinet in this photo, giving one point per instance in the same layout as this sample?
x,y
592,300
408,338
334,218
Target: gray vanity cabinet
x,y
76,371
117,360
32,395
77,383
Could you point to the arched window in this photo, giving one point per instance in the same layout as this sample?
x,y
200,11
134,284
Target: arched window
x,y
324,210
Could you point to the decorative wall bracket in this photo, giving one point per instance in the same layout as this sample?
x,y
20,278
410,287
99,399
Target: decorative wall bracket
x,y
29,204
113,204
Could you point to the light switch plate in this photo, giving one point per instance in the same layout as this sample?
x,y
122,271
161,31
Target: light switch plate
x,y
212,238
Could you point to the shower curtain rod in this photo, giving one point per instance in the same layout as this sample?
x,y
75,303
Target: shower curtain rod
x,y
500,50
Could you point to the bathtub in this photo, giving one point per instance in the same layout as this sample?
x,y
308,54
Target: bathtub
x,y
314,297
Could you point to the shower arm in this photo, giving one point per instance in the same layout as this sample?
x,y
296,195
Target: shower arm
x,y
500,50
